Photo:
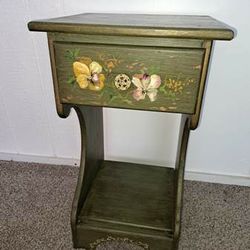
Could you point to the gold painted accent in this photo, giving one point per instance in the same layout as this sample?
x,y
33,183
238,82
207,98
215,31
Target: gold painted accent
x,y
173,108
124,240
177,86
122,82
197,67
163,108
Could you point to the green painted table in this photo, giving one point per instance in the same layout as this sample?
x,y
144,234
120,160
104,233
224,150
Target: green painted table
x,y
141,62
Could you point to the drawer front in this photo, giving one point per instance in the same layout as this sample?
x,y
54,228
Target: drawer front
x,y
147,78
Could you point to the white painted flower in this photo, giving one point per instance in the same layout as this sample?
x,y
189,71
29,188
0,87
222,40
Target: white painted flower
x,y
146,85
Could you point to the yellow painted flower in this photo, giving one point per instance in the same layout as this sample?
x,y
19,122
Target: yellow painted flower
x,y
88,75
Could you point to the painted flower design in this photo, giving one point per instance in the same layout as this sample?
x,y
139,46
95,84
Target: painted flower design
x,y
88,75
146,85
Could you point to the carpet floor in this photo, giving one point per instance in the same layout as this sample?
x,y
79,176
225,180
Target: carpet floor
x,y
35,204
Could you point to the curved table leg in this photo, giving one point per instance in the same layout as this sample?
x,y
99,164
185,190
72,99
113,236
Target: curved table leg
x,y
92,154
179,174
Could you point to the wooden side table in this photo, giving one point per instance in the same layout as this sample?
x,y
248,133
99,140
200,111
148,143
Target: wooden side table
x,y
141,62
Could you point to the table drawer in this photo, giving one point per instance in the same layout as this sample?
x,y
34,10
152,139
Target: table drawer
x,y
133,77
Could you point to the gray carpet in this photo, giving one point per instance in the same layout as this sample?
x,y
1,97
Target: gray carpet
x,y
35,203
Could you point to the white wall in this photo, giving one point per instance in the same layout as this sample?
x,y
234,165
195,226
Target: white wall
x,y
31,130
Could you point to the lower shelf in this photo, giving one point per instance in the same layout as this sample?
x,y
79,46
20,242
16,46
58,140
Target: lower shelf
x,y
130,200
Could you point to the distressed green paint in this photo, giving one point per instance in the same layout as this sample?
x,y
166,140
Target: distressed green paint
x,y
175,67
123,201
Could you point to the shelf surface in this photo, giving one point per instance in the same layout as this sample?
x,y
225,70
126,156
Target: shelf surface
x,y
131,198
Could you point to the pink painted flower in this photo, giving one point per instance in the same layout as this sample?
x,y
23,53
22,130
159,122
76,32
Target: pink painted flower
x,y
146,85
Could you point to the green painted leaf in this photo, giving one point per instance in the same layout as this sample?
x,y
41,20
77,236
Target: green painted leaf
x,y
76,53
71,80
153,70
72,55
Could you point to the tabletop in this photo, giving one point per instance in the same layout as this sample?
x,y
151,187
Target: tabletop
x,y
185,26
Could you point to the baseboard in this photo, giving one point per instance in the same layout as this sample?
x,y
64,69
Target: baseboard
x,y
218,178
39,159
189,175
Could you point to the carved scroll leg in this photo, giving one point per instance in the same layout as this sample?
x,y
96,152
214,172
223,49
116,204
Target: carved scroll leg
x,y
92,154
179,174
